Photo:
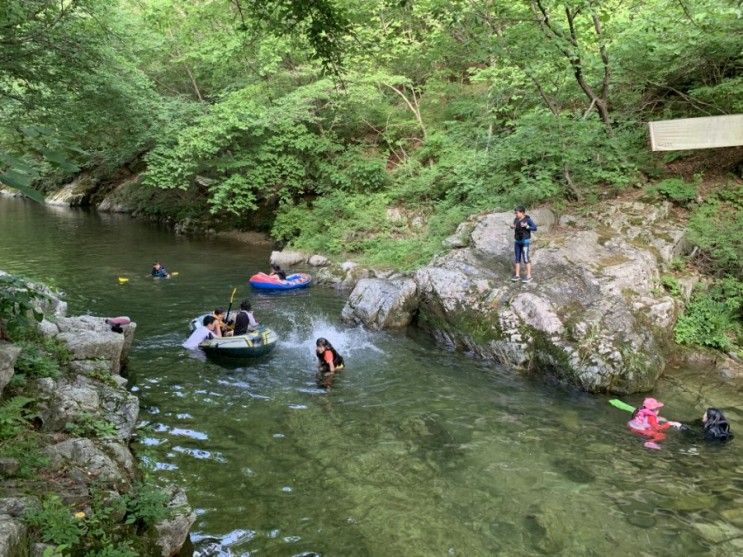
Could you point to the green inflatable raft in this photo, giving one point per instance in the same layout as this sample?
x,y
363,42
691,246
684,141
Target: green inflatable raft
x,y
256,343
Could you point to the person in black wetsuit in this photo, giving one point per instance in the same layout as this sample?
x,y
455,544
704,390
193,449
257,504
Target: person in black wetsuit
x,y
713,426
158,271
329,362
245,321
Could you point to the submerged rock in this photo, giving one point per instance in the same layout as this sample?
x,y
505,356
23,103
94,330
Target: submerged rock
x,y
717,532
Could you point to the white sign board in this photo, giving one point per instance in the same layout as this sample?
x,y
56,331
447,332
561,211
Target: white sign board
x,y
697,133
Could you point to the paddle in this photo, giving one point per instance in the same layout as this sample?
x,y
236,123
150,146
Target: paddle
x,y
616,403
232,299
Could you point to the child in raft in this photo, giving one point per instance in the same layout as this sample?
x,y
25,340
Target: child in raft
x,y
646,422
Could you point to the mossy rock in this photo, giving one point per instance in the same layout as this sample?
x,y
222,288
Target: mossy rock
x,y
476,328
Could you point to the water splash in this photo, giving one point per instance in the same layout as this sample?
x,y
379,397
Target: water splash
x,y
307,328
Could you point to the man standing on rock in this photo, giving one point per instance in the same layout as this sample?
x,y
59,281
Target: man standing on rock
x,y
522,226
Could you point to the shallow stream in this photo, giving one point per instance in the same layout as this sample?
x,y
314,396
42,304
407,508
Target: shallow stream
x,y
414,451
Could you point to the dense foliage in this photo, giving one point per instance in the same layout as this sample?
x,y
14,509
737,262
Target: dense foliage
x,y
363,128
713,317
18,309
434,108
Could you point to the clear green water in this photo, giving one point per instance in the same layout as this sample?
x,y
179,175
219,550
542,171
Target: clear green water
x,y
415,451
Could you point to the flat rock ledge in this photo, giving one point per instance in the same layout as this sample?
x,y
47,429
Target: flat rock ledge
x,y
92,390
595,315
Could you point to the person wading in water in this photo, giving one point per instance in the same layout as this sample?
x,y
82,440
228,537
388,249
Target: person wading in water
x,y
329,362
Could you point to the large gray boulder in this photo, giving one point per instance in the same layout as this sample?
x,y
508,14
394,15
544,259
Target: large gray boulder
x,y
17,506
74,399
118,199
382,304
318,261
461,236
90,338
594,316
74,194
287,258
8,355
90,460
120,454
93,345
344,276
492,234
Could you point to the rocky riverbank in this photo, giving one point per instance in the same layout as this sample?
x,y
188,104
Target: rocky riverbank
x,y
597,314
74,471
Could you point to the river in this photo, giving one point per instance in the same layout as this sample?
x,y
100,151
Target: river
x,y
414,451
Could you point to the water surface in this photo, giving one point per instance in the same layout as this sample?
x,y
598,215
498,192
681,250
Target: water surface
x,y
415,451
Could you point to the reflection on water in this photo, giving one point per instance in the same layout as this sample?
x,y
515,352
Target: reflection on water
x,y
415,451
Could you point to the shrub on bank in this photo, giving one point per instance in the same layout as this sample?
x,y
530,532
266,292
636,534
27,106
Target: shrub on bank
x,y
712,317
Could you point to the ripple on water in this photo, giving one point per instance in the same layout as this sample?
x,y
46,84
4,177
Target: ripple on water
x,y
165,466
210,545
237,537
193,434
200,454
152,441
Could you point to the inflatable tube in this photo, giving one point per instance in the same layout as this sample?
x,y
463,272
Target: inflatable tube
x,y
262,281
121,320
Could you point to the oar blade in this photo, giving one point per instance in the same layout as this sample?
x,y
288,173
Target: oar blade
x,y
616,403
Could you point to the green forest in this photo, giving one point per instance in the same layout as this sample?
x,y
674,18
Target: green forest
x,y
368,129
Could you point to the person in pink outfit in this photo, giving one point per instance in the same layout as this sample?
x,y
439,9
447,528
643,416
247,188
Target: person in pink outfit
x,y
646,422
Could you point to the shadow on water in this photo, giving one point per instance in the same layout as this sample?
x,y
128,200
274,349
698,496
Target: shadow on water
x,y
414,451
